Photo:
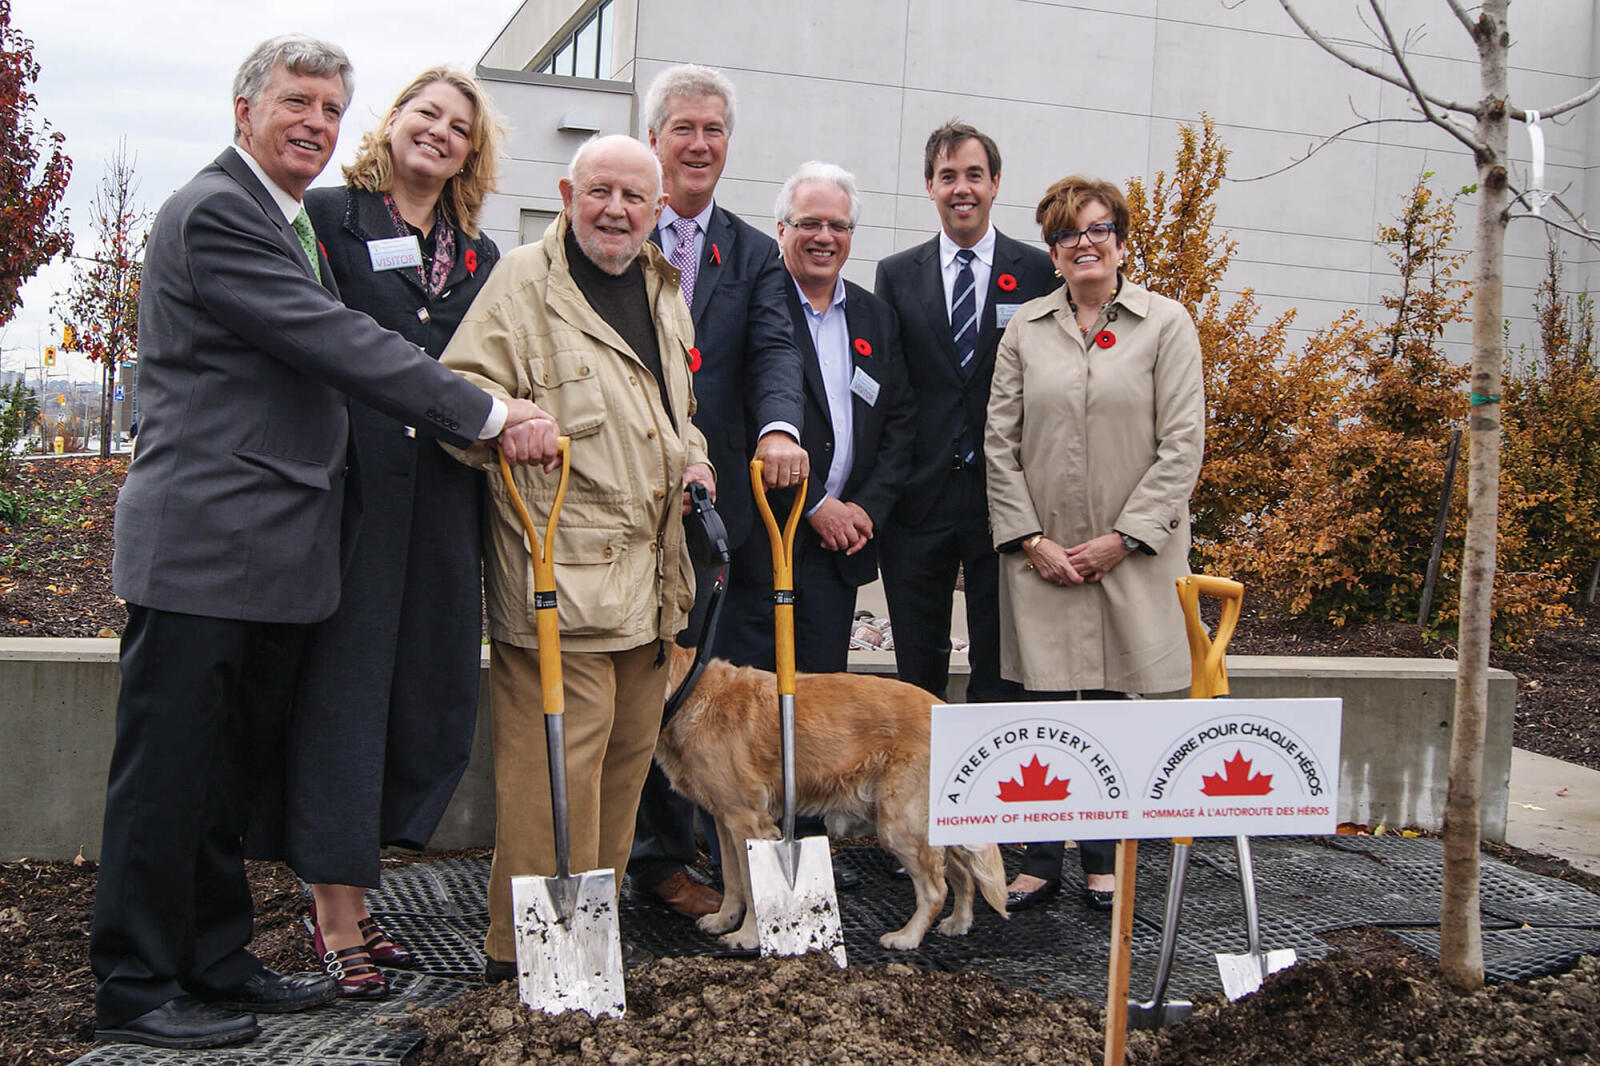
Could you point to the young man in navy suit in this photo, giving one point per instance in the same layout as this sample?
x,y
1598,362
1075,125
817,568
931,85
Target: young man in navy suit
x,y
954,295
747,392
858,432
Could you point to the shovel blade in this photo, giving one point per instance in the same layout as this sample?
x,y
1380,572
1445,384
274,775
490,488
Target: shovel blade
x,y
1242,974
1153,1015
569,943
791,889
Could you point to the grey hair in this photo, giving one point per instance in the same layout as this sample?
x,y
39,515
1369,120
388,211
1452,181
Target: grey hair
x,y
299,54
605,140
692,82
823,172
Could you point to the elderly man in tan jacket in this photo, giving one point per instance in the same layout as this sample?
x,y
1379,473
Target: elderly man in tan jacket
x,y
589,323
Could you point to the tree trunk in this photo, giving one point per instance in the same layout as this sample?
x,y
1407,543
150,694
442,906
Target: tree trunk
x,y
107,384
1460,932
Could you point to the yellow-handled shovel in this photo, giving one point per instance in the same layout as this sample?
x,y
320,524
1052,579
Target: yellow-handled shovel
x,y
791,881
569,942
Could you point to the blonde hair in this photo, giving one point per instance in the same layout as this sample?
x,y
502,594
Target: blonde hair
x,y
464,193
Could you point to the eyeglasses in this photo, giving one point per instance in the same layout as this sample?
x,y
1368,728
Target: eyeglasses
x,y
1098,233
814,226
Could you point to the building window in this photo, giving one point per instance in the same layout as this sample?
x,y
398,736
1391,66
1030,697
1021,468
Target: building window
x,y
533,223
586,51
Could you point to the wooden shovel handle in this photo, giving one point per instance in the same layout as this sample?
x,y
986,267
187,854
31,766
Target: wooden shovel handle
x,y
542,553
782,573
1208,674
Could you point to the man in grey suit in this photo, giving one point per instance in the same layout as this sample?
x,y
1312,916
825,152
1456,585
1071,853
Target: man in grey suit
x,y
228,547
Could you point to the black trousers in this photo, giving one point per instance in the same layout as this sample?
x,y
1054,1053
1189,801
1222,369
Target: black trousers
x,y
1043,860
919,579
200,719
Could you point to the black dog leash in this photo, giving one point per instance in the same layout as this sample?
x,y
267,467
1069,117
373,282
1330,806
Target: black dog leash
x,y
708,547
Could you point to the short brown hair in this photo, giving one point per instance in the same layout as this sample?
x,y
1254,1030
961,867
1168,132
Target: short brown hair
x,y
948,138
465,192
1063,200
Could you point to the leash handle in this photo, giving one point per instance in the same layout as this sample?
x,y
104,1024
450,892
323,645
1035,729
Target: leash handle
x,y
542,554
782,573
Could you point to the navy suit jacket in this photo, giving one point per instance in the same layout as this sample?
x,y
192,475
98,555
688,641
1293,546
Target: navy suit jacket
x,y
231,507
882,433
749,372
911,283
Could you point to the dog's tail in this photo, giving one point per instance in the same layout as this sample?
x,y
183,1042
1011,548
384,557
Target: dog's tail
x,y
983,862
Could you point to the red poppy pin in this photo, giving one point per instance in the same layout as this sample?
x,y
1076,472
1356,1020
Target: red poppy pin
x,y
321,249
716,256
694,360
1105,339
471,259
863,349
1007,283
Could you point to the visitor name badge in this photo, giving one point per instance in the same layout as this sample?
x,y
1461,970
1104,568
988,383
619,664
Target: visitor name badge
x,y
395,253
863,386
1003,313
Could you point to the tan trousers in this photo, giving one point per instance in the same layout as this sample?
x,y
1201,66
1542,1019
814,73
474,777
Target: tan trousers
x,y
613,713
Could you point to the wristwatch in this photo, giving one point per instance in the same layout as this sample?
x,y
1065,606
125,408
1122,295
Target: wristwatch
x,y
1028,543
1132,544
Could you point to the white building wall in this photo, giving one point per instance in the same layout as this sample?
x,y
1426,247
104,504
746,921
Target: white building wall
x,y
1096,88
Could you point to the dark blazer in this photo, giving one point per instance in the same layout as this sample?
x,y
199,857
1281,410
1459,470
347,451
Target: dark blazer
x,y
749,372
911,283
231,506
390,683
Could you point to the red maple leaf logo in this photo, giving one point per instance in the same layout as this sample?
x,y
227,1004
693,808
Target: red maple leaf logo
x,y
1033,785
1236,779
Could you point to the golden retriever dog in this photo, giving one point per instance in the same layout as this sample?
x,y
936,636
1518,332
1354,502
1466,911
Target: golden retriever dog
x,y
861,753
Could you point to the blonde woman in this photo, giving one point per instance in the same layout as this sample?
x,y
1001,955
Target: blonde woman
x,y
383,724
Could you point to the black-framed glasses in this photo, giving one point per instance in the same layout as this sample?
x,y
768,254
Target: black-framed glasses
x,y
814,226
1098,233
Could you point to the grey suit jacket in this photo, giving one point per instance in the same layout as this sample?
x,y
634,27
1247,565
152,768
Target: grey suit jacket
x,y
231,507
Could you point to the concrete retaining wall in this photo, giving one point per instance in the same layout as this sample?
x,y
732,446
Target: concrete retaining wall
x,y
58,699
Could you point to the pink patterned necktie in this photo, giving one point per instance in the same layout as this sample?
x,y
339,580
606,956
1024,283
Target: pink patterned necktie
x,y
683,257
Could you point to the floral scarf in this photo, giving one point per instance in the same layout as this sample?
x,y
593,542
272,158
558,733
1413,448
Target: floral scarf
x,y
444,247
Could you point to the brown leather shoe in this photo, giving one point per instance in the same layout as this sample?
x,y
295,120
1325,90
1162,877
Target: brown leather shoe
x,y
688,896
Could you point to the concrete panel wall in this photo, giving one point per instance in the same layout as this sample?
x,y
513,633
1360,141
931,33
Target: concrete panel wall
x,y
58,700
1097,87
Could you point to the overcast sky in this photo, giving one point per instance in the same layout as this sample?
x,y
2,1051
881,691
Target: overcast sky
x,y
159,72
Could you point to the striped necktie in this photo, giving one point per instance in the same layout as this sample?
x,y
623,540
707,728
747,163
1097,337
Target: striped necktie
x,y
308,240
964,311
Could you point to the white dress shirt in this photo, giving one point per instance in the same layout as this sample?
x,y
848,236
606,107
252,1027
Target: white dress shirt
x,y
982,265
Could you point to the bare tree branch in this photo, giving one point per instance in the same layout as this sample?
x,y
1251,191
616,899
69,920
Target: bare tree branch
x,y
1466,20
1324,142
1576,225
1519,115
1443,122
1366,68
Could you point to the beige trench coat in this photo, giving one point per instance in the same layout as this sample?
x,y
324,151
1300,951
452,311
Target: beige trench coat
x,y
623,575
1082,441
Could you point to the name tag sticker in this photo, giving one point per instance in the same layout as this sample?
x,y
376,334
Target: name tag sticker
x,y
395,253
1003,313
863,386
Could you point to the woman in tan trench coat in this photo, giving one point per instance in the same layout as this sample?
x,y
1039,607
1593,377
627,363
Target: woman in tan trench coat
x,y
1096,426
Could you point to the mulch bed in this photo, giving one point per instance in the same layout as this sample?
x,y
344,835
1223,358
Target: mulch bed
x,y
1373,1001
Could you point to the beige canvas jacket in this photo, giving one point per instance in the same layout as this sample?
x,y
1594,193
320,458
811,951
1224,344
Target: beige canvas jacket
x,y
1080,441
623,575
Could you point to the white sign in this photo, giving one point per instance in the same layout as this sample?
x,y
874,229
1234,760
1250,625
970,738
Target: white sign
x,y
1132,769
395,253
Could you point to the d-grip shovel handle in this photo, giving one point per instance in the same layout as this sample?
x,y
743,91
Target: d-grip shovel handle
x,y
544,579
1207,675
782,573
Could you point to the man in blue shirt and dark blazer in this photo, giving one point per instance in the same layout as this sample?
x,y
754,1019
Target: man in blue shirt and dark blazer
x,y
954,295
858,431
747,392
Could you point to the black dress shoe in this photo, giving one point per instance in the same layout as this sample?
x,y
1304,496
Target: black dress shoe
x,y
495,971
846,879
1096,900
184,1022
267,992
1021,901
